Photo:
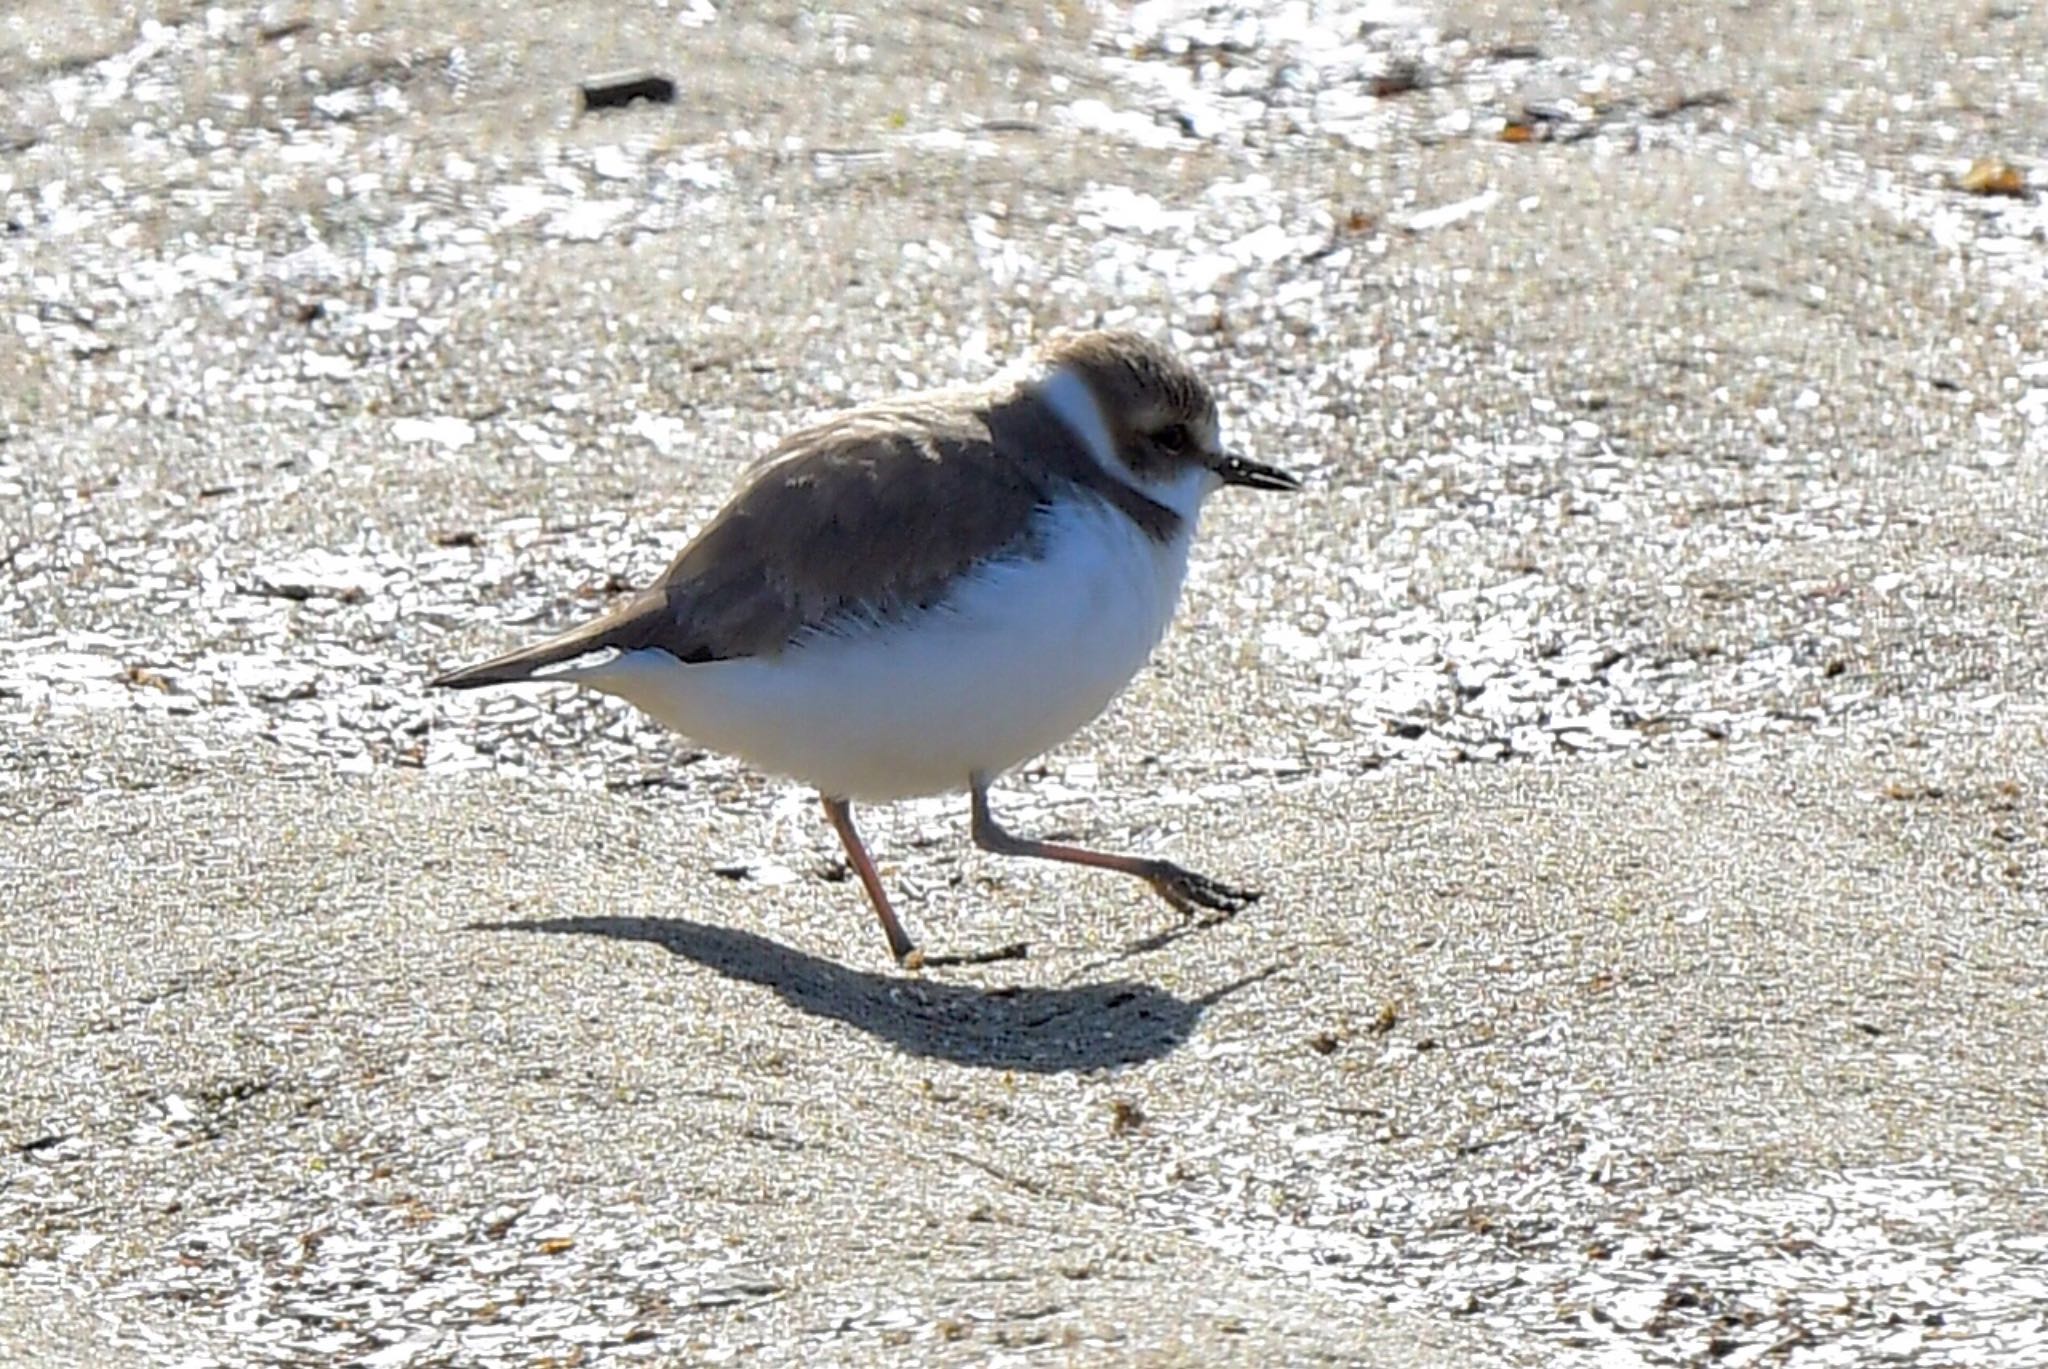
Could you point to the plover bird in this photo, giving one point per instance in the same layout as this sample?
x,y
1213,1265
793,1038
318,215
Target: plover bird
x,y
921,593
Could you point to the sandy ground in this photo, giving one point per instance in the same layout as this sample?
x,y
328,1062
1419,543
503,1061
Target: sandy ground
x,y
1637,726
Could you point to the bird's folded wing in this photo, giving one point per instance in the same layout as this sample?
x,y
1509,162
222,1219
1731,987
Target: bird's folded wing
x,y
870,515
865,517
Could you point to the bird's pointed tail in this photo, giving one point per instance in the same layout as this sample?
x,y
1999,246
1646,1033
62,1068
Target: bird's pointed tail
x,y
515,666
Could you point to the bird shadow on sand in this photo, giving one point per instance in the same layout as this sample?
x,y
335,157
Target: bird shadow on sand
x,y
1040,1030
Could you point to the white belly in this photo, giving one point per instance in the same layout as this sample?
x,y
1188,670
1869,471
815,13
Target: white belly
x,y
1020,658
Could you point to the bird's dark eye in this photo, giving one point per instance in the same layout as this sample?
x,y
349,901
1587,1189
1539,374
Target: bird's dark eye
x,y
1174,439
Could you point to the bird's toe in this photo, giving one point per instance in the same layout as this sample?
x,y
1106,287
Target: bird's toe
x,y
1190,892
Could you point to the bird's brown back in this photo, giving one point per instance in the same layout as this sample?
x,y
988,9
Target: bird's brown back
x,y
867,516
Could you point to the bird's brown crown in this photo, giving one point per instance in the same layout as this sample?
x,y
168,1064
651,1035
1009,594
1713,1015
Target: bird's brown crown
x,y
1160,415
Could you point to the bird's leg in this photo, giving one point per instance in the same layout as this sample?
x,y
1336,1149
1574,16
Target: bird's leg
x,y
840,814
1184,889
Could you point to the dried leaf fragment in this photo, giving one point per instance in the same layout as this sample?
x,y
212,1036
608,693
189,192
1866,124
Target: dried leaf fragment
x,y
1989,176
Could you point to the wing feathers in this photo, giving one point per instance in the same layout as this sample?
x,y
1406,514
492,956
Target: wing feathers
x,y
867,515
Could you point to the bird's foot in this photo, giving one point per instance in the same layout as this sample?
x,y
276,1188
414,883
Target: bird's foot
x,y
1191,893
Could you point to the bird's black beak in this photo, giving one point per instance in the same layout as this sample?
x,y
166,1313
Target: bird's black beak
x,y
1255,475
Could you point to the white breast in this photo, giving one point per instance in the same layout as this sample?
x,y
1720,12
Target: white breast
x,y
1020,657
